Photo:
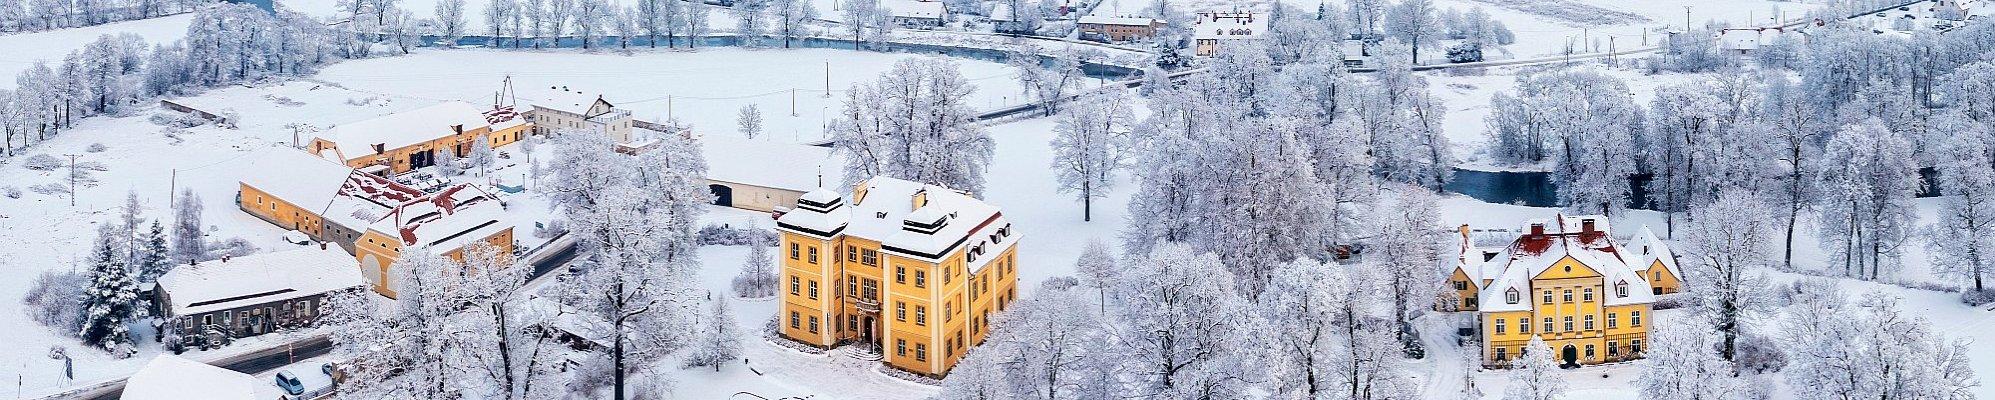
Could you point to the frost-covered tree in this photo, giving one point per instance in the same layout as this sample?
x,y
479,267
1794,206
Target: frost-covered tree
x,y
719,338
1043,348
697,23
448,163
793,19
405,349
1682,365
1304,327
1731,246
55,300
1407,252
1962,239
497,338
154,257
559,14
498,16
1537,377
1047,83
1795,128
189,240
1098,269
1089,145
481,156
1583,123
536,14
592,19
1868,177
857,14
758,274
914,123
1702,137
1875,351
1414,23
750,121
1181,328
110,301
450,20
751,20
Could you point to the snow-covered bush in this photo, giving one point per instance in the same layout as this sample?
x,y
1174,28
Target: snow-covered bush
x,y
721,235
95,148
233,247
1759,354
55,301
551,229
177,120
51,188
758,275
1977,298
12,192
42,162
1673,301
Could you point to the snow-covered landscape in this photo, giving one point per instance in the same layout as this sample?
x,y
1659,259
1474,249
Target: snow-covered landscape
x,y
1296,206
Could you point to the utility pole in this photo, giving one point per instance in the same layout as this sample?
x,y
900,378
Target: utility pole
x,y
1686,19
72,178
827,79
171,181
793,102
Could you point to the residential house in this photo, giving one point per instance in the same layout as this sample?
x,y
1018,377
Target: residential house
x,y
917,13
1216,29
255,294
1563,280
1657,262
1120,29
411,139
910,270
754,183
442,223
559,109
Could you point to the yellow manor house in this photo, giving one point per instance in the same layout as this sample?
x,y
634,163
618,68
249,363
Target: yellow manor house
x,y
914,271
1566,281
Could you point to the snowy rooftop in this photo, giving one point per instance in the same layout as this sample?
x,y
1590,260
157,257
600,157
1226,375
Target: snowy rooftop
x,y
914,8
295,176
1558,239
1649,248
1747,38
402,129
769,163
259,278
170,377
562,98
1229,25
446,220
1130,21
886,212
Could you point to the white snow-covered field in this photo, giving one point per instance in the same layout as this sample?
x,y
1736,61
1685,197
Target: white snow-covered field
x,y
19,52
706,88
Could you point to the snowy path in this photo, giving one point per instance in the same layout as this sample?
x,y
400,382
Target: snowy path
x,y
1444,357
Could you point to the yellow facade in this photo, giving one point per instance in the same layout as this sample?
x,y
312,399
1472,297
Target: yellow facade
x,y
401,159
279,212
1568,313
1661,280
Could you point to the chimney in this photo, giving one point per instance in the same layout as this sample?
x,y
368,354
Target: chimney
x,y
1537,229
225,258
322,245
1464,229
1586,226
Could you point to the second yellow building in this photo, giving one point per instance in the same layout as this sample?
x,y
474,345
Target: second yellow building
x,y
912,271
1563,280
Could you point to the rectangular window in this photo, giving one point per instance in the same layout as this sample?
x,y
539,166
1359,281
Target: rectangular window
x,y
921,352
1568,323
1523,325
869,257
813,324
1634,318
851,254
1502,354
1589,322
900,347
813,289
1588,295
1613,349
1635,346
900,311
921,315
1461,285
794,251
946,314
900,274
1568,295
813,255
920,278
1613,320
794,320
1548,297
1549,328
795,289
1499,327
1589,351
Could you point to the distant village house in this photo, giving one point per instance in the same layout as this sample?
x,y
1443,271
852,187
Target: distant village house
x,y
255,294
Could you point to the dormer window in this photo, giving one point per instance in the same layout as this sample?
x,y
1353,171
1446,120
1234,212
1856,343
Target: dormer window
x,y
1510,296
1621,289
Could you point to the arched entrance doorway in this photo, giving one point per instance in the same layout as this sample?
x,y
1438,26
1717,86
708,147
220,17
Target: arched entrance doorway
x,y
1570,356
722,195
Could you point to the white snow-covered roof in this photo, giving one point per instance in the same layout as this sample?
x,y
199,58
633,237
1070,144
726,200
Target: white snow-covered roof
x,y
748,161
915,8
357,139
1747,38
446,220
295,176
1229,25
1001,13
949,220
1562,238
259,278
170,377
1650,248
1105,20
564,99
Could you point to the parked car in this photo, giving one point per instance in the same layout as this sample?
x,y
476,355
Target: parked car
x,y
290,383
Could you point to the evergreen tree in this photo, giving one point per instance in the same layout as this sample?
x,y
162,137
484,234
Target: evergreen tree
x,y
109,304
720,339
189,240
154,258
758,276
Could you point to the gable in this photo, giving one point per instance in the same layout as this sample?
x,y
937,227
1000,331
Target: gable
x,y
1566,268
1657,266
